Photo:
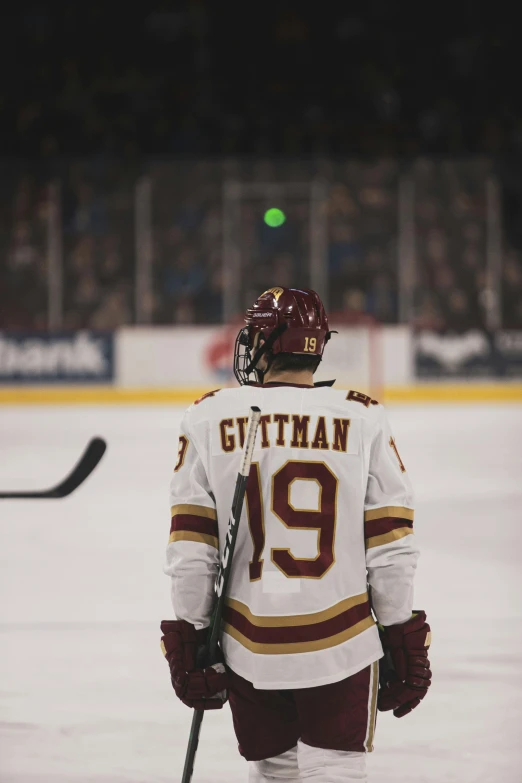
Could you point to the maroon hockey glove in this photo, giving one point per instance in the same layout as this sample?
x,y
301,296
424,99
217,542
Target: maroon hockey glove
x,y
202,689
406,682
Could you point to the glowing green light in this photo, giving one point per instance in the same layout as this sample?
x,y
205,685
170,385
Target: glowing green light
x,y
274,217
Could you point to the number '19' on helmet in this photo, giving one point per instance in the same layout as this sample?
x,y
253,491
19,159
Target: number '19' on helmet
x,y
281,320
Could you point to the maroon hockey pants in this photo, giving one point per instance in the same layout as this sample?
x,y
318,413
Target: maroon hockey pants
x,y
337,716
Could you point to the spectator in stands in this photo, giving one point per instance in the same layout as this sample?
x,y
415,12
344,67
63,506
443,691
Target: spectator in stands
x,y
429,315
512,290
22,256
345,252
210,302
24,284
84,302
381,300
113,310
89,215
354,311
458,315
183,281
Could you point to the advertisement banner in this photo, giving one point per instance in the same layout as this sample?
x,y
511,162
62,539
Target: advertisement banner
x,y
202,357
473,354
64,358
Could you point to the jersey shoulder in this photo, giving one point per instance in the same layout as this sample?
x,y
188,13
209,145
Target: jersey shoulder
x,y
206,396
218,402
357,403
199,408
353,396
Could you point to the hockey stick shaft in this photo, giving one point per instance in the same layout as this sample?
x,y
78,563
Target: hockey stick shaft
x,y
222,579
84,467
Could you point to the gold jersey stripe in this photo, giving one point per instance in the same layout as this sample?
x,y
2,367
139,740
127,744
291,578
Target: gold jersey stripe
x,y
387,538
373,706
299,647
190,535
296,619
163,648
399,512
194,511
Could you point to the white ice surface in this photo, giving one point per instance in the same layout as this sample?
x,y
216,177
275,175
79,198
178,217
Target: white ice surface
x,y
84,689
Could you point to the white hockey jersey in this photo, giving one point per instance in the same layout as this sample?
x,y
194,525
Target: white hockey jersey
x,y
329,510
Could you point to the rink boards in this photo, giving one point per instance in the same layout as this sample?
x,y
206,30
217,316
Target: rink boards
x,y
177,364
471,392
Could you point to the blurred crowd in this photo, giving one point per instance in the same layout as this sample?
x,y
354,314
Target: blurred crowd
x,y
87,214
168,90
72,233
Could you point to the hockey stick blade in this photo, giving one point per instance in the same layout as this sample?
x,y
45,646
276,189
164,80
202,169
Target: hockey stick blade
x,y
84,467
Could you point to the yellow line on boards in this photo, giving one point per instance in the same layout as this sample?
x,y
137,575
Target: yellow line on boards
x,y
97,395
114,395
455,393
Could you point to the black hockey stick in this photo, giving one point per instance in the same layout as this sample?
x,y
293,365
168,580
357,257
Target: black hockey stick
x,y
386,667
85,466
225,567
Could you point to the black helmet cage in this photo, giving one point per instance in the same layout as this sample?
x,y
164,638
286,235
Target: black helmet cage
x,y
242,357
245,363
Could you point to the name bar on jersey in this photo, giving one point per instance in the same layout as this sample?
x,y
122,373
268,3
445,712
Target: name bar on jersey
x,y
288,430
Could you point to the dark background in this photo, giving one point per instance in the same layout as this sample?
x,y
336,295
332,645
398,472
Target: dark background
x,y
290,78
362,94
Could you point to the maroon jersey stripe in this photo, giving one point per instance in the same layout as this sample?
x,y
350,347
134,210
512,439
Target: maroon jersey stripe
x,y
194,524
296,633
378,527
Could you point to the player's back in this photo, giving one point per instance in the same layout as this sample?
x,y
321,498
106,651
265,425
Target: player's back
x,y
327,518
297,610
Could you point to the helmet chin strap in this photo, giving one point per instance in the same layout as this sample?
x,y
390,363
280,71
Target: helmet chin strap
x,y
266,346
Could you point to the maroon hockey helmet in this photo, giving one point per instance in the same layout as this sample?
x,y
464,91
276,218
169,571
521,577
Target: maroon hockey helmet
x,y
290,320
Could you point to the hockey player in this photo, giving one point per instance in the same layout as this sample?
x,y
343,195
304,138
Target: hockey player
x,y
325,537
